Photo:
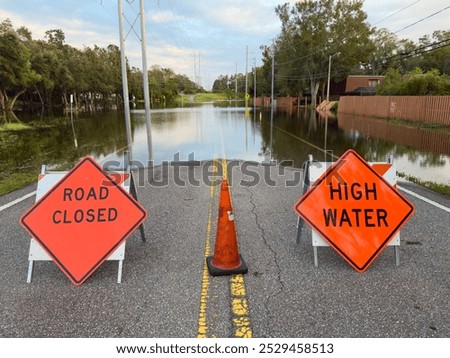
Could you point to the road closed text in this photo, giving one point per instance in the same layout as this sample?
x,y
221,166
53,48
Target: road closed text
x,y
89,215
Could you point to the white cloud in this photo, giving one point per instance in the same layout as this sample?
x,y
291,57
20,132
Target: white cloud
x,y
256,17
78,32
161,16
219,30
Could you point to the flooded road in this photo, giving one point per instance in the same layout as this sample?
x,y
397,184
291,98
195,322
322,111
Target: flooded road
x,y
202,131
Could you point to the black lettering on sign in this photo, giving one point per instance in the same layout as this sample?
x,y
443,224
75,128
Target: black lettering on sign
x,y
57,217
355,217
345,219
342,191
101,214
67,194
381,217
80,194
90,215
329,216
79,216
369,191
91,194
112,214
338,190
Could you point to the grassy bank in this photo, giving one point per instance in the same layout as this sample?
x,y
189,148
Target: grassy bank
x,y
210,97
439,188
16,181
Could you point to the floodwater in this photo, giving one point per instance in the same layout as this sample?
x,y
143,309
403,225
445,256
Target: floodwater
x,y
201,132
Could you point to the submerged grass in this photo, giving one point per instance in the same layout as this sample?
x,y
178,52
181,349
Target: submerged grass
x,y
439,188
420,124
10,127
16,178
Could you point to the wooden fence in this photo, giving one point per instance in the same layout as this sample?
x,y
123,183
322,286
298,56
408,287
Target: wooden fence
x,y
280,101
430,109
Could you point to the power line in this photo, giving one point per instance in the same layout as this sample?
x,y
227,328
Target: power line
x,y
417,50
183,29
411,54
425,18
395,13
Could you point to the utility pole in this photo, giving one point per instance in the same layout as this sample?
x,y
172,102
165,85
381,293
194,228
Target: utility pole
x,y
126,100
199,76
254,82
329,75
123,62
235,85
272,100
195,70
246,77
145,83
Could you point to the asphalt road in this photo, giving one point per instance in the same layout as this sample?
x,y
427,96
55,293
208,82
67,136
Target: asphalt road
x,y
284,294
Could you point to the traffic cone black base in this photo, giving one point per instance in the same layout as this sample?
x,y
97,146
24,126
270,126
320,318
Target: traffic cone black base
x,y
215,271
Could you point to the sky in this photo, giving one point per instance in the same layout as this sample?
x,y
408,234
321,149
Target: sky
x,y
200,38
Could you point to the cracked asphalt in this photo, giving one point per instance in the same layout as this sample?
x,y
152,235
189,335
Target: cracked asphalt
x,y
287,295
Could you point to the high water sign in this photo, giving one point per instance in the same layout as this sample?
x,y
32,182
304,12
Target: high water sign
x,y
354,209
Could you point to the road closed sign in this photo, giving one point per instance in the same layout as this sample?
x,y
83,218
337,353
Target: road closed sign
x,y
354,209
83,219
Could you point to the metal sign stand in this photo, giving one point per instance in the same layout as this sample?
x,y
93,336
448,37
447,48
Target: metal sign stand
x,y
312,170
47,179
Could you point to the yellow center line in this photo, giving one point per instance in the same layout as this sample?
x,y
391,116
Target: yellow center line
x,y
239,302
304,141
202,324
224,170
239,306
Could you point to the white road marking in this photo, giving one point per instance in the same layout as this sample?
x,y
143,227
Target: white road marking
x,y
424,199
437,205
14,202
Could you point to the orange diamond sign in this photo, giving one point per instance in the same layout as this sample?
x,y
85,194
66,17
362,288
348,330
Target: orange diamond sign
x,y
354,209
83,219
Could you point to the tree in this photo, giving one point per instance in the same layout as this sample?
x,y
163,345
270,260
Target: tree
x,y
221,84
415,83
437,53
56,37
16,73
311,31
385,47
392,84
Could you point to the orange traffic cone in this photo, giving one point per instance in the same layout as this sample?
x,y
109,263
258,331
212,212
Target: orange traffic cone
x,y
226,259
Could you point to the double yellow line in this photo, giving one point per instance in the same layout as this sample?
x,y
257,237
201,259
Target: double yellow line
x,y
202,323
238,295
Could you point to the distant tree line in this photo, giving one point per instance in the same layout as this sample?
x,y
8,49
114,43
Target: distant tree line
x,y
312,31
45,73
233,85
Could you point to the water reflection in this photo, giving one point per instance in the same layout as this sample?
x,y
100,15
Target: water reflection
x,y
421,153
203,130
434,141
